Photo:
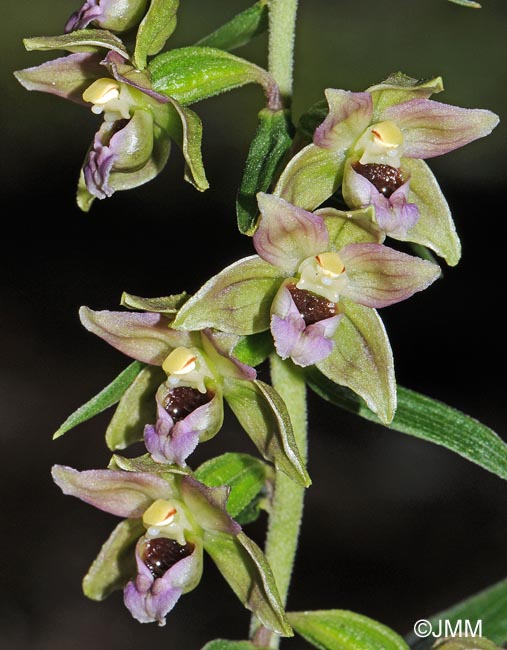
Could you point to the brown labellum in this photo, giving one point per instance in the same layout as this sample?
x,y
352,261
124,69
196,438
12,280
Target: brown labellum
x,y
385,178
162,553
312,307
181,401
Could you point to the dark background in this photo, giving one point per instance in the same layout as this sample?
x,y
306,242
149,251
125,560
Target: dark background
x,y
395,528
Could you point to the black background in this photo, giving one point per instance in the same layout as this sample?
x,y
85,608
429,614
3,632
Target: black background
x,y
395,528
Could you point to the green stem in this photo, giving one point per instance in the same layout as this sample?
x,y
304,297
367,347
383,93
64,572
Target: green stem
x,y
282,28
287,505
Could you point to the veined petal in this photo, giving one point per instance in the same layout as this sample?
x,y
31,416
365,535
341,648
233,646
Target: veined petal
x,y
432,129
380,276
349,115
286,234
144,336
126,494
208,505
66,77
219,347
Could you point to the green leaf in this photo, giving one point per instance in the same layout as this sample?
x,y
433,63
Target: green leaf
x,y
362,359
222,644
137,408
254,349
165,305
244,566
398,88
311,177
83,40
107,397
267,150
466,643
467,3
191,74
426,418
312,118
115,565
156,27
237,300
337,629
240,30
263,415
244,474
435,228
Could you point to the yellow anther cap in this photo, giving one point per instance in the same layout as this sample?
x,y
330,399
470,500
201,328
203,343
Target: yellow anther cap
x,y
180,362
388,134
160,513
330,264
102,91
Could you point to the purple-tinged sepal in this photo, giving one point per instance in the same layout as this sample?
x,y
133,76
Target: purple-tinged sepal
x,y
107,14
349,115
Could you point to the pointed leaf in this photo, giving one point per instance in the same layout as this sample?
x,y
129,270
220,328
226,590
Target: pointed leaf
x,y
254,349
362,359
488,606
236,301
435,227
239,30
137,408
337,629
115,565
244,566
311,177
156,27
242,473
263,415
107,397
165,305
267,150
426,418
83,40
191,74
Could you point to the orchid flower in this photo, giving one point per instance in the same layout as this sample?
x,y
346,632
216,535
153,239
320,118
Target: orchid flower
x,y
170,519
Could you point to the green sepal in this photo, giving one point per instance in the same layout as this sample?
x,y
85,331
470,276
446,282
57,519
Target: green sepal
x,y
466,643
271,142
222,644
167,305
115,564
337,629
398,88
156,27
245,568
435,228
237,300
245,475
191,74
83,40
137,408
254,349
362,359
240,30
145,463
107,397
423,417
351,227
264,416
311,177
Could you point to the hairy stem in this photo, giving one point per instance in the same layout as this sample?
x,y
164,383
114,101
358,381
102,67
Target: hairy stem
x,y
282,27
287,505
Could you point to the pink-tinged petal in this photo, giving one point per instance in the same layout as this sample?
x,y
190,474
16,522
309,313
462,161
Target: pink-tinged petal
x,y
380,276
208,505
219,347
357,190
286,234
432,129
126,494
89,12
143,336
305,345
404,215
349,115
66,77
150,599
